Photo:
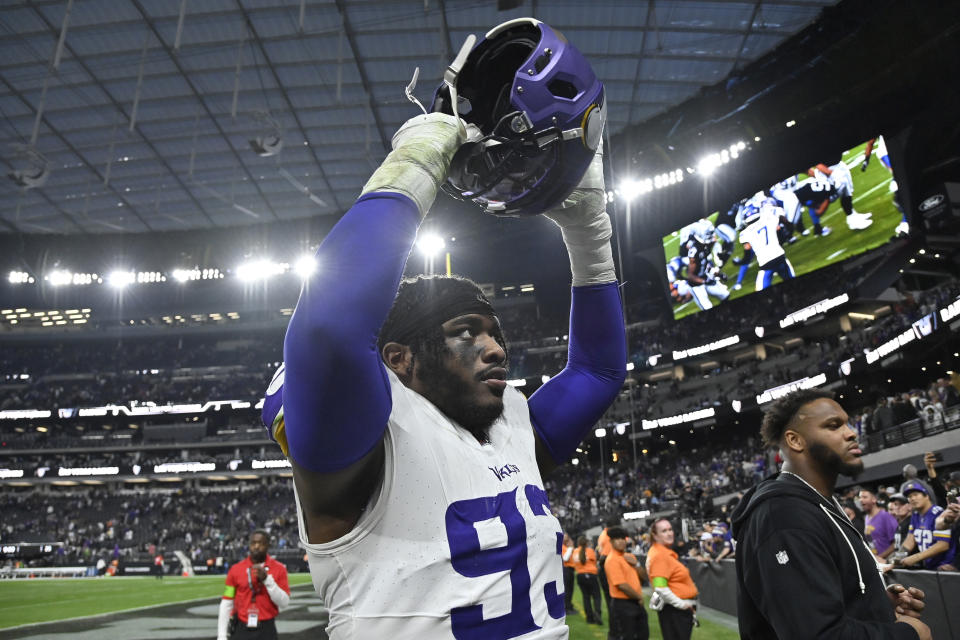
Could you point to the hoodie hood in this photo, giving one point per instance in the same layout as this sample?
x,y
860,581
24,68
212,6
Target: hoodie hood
x,y
778,486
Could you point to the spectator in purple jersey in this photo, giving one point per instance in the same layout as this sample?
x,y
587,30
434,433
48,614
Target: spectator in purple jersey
x,y
934,546
879,525
950,520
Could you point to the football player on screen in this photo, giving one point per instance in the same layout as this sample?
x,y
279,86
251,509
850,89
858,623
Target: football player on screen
x,y
903,229
839,176
759,235
418,470
815,193
680,291
703,274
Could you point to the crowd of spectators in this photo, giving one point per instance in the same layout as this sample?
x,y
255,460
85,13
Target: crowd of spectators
x,y
197,368
132,526
706,535
210,523
687,481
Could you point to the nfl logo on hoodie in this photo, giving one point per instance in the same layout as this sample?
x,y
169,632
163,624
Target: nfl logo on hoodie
x,y
782,557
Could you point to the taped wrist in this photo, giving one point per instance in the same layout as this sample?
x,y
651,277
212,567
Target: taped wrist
x,y
420,160
588,241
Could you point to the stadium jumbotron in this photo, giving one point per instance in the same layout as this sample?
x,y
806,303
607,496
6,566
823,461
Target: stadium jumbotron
x,y
174,171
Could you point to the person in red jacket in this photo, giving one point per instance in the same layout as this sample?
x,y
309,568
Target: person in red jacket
x,y
257,590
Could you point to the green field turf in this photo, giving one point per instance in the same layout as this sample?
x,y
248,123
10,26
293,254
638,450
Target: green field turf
x,y
28,601
580,630
32,601
871,194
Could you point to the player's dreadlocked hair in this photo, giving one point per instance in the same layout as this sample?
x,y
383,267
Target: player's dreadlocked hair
x,y
779,415
423,304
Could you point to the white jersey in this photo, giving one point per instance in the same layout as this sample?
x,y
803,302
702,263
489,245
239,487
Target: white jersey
x,y
762,235
783,191
841,178
457,542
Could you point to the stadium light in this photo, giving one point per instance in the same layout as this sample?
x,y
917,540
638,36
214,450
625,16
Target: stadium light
x,y
707,165
59,277
20,277
305,266
630,189
600,433
120,279
736,405
260,270
430,244
575,461
621,427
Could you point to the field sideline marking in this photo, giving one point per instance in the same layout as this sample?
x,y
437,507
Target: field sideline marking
x,y
111,613
835,254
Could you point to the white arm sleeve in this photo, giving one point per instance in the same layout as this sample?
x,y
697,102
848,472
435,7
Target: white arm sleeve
x,y
671,598
280,597
223,619
568,554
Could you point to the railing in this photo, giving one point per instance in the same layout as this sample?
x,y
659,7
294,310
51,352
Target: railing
x,y
911,431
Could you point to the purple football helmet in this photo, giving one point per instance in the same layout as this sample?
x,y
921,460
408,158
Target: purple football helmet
x,y
541,112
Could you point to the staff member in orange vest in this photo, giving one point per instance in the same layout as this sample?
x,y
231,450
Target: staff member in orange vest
x,y
257,590
585,564
603,550
672,584
566,552
628,619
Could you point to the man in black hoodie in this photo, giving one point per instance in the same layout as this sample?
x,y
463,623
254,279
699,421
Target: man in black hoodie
x,y
803,570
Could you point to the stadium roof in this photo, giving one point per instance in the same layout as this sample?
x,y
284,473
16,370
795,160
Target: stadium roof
x,y
137,115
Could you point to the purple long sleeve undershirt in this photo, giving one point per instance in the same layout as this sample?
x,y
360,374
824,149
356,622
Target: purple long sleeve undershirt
x,y
336,394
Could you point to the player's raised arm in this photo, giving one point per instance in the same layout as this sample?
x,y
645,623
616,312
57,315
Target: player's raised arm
x,y
564,409
335,393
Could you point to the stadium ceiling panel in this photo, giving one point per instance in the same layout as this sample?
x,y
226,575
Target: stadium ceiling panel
x,y
155,115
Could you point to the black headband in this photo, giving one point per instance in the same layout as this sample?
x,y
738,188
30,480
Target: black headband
x,y
437,310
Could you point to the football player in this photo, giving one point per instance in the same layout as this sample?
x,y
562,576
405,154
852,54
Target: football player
x,y
842,181
760,236
680,290
703,275
815,193
783,193
903,229
726,234
418,470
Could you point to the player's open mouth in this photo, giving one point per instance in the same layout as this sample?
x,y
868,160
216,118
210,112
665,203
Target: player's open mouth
x,y
495,378
857,451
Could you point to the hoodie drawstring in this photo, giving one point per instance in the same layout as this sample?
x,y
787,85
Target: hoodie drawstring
x,y
856,560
